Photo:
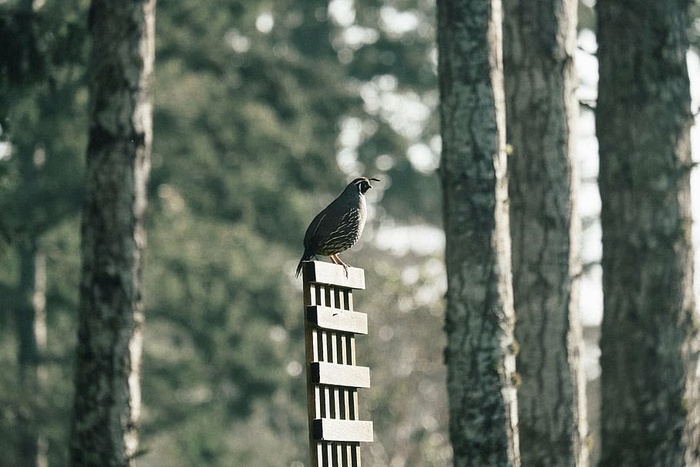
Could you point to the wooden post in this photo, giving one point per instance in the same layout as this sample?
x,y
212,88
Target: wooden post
x,y
332,375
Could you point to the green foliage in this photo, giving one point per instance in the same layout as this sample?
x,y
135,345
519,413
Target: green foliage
x,y
43,118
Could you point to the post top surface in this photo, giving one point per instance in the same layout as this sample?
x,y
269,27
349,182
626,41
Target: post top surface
x,y
333,274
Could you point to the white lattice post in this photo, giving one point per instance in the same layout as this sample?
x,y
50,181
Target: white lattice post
x,y
332,374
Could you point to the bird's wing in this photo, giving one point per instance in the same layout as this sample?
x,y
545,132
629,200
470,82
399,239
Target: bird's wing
x,y
313,227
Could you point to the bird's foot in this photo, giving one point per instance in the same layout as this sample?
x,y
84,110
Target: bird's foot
x,y
336,260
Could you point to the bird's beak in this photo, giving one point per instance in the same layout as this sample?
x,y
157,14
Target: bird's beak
x,y
375,179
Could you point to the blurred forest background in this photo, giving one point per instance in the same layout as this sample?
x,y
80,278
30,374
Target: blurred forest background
x,y
263,111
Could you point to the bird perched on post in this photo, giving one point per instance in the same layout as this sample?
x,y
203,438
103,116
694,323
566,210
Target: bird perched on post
x,y
339,225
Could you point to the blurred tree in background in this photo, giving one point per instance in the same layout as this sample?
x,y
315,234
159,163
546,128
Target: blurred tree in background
x,y
263,110
42,114
107,395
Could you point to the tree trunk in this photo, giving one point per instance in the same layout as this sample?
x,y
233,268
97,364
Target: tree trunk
x,y
107,398
30,319
479,317
649,339
539,43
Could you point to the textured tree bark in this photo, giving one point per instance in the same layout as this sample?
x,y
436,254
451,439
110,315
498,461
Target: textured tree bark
x,y
649,343
107,398
539,43
479,318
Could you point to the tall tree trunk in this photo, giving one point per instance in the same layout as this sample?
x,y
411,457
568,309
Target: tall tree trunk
x,y
539,43
30,315
30,319
649,339
479,320
107,397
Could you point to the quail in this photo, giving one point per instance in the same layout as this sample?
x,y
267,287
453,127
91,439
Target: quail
x,y
339,225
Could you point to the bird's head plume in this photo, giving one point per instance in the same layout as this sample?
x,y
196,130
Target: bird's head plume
x,y
362,184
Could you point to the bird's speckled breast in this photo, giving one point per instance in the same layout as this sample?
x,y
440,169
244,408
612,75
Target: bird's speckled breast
x,y
348,231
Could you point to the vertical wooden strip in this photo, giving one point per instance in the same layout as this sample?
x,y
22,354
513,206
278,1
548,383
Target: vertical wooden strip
x,y
310,296
355,405
332,297
343,346
339,454
329,346
324,453
352,401
321,402
331,403
329,455
318,344
333,346
344,404
314,344
335,395
349,412
351,351
336,402
321,294
343,454
341,299
317,401
338,300
337,350
324,346
327,401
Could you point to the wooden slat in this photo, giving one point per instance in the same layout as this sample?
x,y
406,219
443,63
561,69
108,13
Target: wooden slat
x,y
337,320
324,347
329,273
343,430
343,346
334,347
319,453
333,374
326,402
315,404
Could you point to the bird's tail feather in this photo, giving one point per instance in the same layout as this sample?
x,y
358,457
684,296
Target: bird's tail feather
x,y
304,257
